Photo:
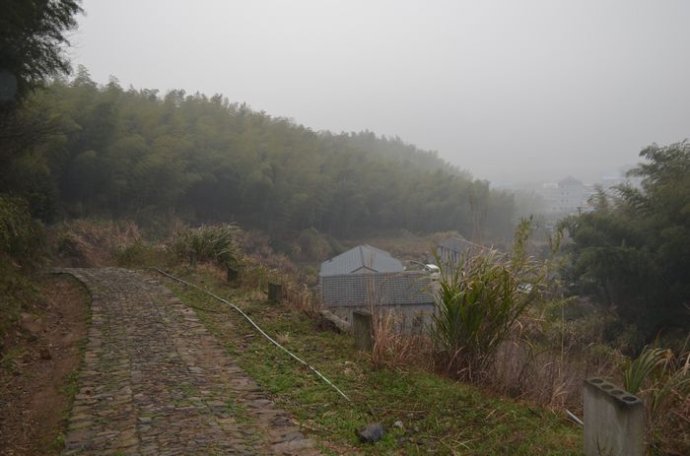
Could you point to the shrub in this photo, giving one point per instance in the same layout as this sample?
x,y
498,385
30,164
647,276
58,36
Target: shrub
x,y
17,291
93,242
21,248
21,238
478,302
663,381
214,243
395,347
312,245
143,254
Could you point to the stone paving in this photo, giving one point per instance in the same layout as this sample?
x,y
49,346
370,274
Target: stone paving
x,y
156,382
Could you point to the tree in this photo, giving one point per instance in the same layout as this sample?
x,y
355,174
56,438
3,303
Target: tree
x,y
32,34
632,253
129,153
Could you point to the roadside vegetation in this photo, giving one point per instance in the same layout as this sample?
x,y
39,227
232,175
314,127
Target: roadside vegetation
x,y
479,301
545,346
542,347
433,414
631,254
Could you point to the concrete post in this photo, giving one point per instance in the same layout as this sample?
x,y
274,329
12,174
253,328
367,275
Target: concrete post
x,y
275,292
614,420
362,328
231,275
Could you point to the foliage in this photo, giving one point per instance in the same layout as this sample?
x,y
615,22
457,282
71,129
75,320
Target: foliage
x,y
142,254
22,243
439,416
215,243
632,253
663,381
32,34
21,237
642,367
136,154
312,245
92,242
17,290
398,345
479,300
21,249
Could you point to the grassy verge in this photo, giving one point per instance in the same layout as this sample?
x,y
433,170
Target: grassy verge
x,y
438,416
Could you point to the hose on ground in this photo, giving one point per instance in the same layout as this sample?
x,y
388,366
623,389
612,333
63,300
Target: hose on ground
x,y
261,331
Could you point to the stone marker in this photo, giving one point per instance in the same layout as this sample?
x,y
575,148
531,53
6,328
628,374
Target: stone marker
x,y
275,292
614,420
232,275
362,329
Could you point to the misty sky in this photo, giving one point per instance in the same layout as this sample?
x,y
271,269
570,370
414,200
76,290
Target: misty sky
x,y
509,90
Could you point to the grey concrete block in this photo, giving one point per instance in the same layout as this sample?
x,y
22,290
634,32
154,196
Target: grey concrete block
x,y
362,328
613,420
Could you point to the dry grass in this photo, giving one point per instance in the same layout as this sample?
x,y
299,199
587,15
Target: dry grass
x,y
299,296
552,376
548,376
91,242
216,243
394,347
662,380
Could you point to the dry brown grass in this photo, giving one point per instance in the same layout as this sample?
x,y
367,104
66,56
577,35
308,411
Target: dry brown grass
x,y
395,348
91,242
548,376
299,296
662,379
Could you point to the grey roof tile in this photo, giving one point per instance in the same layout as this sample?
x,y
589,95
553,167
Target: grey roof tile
x,y
458,244
361,259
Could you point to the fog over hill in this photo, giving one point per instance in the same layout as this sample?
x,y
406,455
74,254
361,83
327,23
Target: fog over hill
x,y
511,91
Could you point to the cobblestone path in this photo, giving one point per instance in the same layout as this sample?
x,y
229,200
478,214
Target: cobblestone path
x,y
156,382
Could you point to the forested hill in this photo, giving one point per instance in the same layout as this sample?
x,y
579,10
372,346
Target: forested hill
x,y
106,151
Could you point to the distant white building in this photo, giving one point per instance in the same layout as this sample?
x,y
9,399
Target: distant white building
x,y
568,196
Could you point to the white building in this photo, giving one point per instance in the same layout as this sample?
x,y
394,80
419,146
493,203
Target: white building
x,y
568,196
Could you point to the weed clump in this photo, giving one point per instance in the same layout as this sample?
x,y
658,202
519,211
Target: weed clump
x,y
21,250
479,300
93,242
662,380
212,243
21,238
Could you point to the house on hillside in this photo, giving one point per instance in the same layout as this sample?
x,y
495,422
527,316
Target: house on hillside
x,y
367,278
454,249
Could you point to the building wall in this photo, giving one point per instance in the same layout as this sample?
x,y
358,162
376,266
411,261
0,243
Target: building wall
x,y
409,319
407,296
403,288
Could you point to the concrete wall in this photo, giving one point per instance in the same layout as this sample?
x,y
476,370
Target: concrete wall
x,y
412,319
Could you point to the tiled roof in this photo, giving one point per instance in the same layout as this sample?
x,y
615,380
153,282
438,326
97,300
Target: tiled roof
x,y
361,259
403,288
457,244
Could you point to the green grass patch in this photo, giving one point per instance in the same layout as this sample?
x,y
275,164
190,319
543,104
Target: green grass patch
x,y
439,416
